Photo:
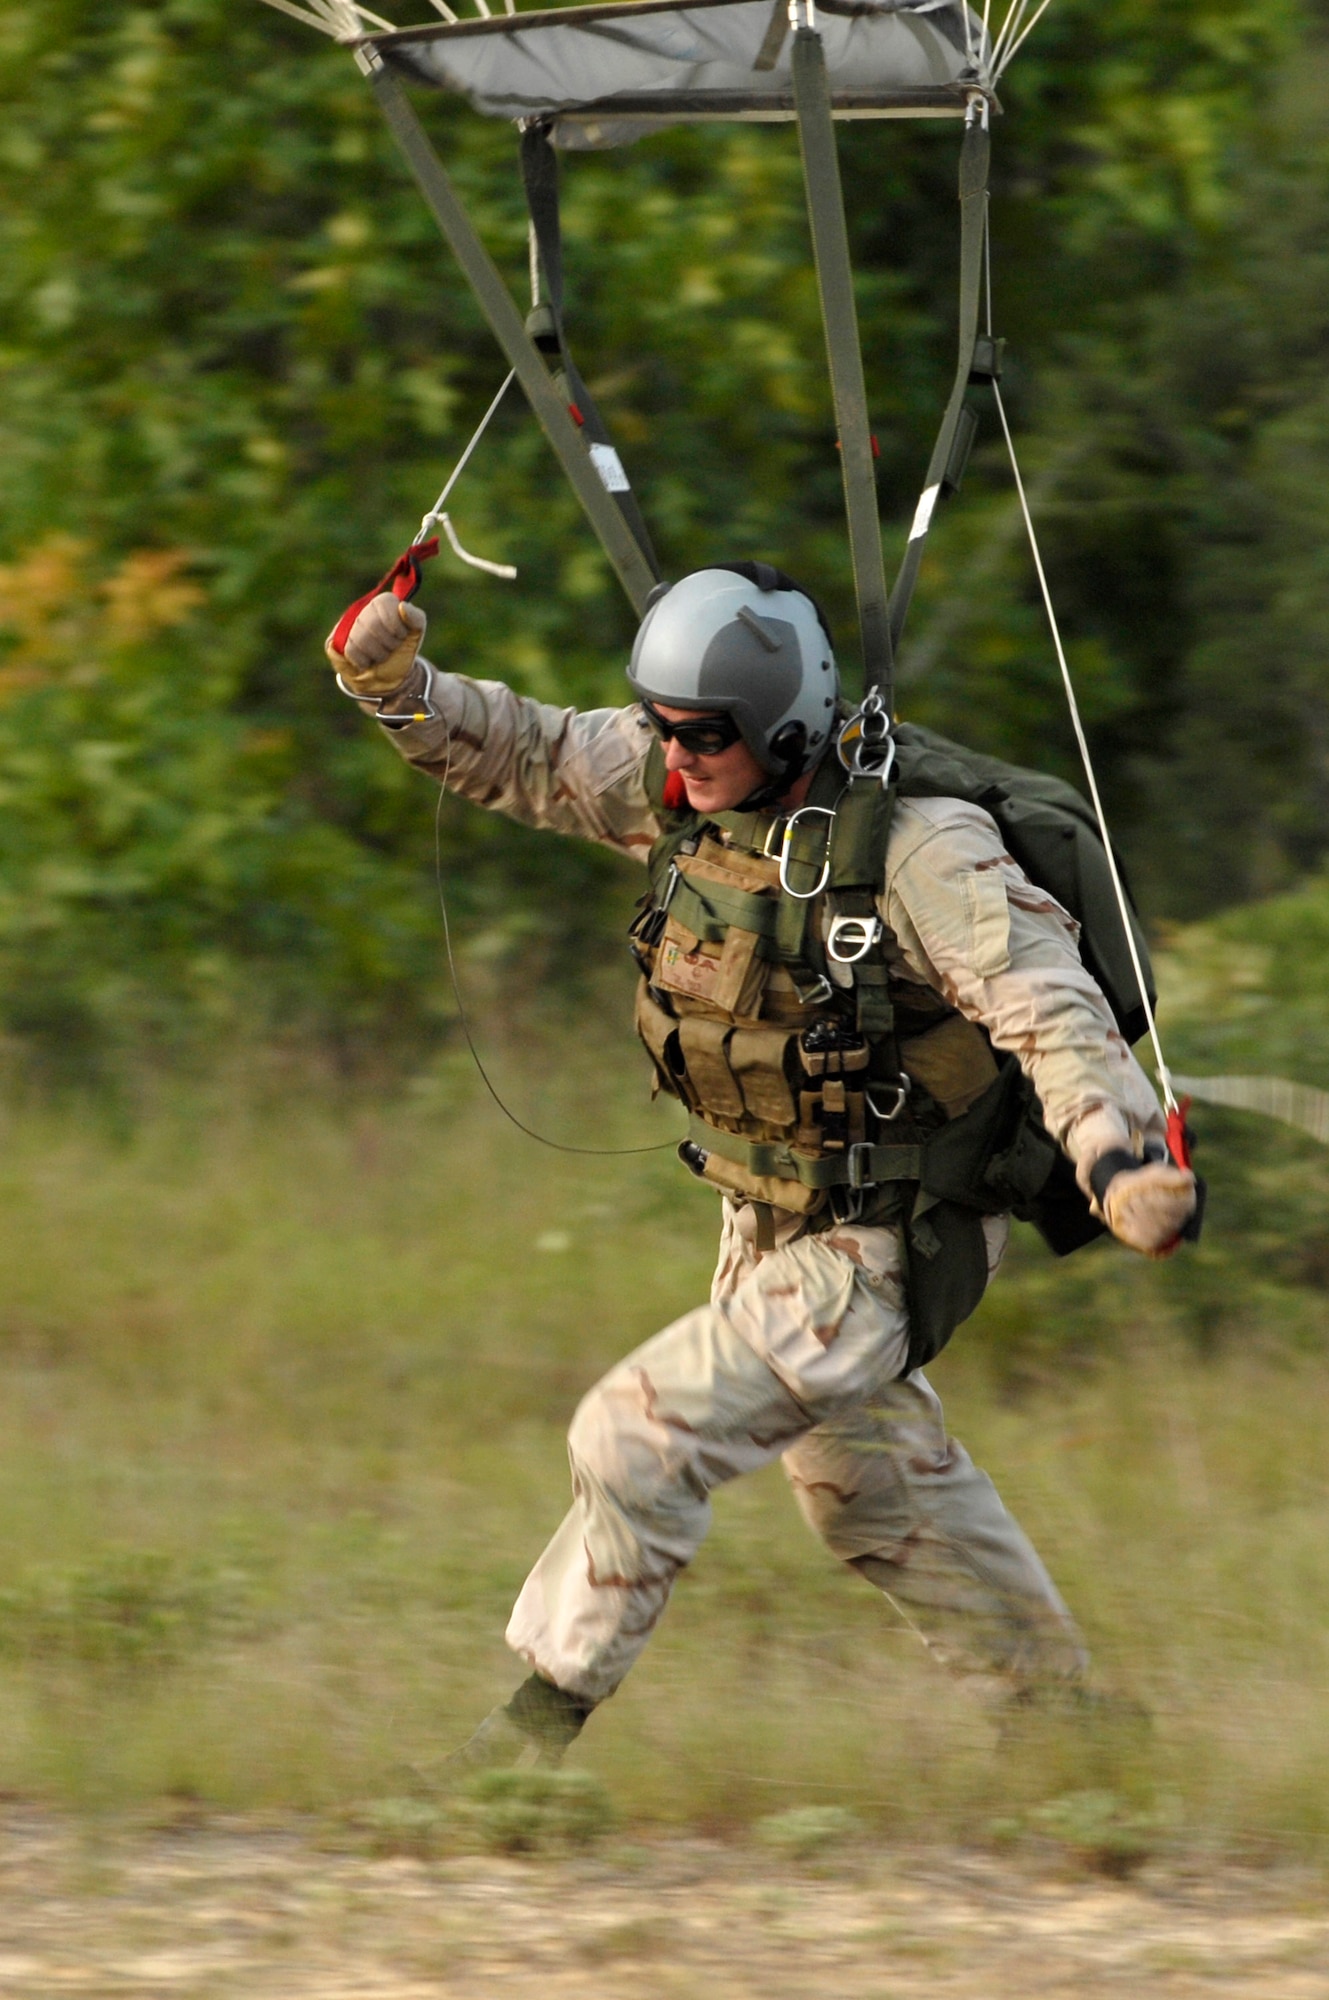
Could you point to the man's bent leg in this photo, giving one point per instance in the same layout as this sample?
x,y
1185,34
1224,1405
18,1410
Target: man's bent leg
x,y
690,1410
791,1338
905,1505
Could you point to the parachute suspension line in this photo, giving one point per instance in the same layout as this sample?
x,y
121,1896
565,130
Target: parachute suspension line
x,y
504,570
1009,28
545,326
1016,47
970,56
1164,1075
344,20
555,1145
1298,1104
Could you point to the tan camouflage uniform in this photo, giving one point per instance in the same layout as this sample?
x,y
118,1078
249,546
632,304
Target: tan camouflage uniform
x,y
798,1355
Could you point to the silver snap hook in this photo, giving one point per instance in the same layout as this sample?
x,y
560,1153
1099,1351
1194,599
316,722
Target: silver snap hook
x,y
804,895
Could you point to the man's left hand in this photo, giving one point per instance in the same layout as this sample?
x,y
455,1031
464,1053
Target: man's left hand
x,y
1147,1207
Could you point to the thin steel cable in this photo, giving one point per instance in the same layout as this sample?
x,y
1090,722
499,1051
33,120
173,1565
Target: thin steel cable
x,y
1164,1076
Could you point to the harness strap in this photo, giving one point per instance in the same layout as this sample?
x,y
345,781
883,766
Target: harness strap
x,y
857,857
539,172
946,467
858,1166
835,281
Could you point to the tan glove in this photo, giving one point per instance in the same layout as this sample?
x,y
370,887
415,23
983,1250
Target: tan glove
x,y
1146,1208
381,646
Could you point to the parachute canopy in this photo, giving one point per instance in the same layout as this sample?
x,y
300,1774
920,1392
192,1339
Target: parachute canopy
x,y
607,74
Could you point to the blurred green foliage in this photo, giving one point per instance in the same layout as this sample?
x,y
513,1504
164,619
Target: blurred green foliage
x,y
236,362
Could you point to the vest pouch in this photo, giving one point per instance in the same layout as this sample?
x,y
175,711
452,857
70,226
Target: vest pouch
x,y
729,976
711,1082
757,1058
659,1031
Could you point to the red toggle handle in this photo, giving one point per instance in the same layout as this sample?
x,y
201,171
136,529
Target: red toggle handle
x,y
1176,1136
403,580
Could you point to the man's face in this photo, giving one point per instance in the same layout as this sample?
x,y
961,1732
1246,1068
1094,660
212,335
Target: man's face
x,y
715,783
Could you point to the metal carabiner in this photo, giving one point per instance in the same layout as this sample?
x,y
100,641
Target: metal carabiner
x,y
865,745
902,1089
804,895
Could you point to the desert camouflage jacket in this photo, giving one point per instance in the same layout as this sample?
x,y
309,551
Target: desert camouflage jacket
x,y
965,919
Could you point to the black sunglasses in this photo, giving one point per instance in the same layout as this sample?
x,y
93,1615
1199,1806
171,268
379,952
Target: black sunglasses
x,y
706,737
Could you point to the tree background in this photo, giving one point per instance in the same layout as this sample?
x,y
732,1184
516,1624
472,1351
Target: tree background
x,y
236,363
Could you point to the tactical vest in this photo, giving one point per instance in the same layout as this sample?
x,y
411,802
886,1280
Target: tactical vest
x,y
818,1077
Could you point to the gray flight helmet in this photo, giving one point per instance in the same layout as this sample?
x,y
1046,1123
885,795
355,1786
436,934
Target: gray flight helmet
x,y
743,641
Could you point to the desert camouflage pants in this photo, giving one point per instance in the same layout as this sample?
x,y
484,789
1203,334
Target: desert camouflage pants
x,y
797,1357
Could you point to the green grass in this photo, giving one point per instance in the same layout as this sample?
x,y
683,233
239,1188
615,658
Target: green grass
x,y
284,1383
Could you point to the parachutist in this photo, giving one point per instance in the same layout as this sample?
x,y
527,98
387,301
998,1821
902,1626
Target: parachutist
x,y
870,1117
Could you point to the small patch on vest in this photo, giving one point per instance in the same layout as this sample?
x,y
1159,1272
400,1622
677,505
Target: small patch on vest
x,y
692,972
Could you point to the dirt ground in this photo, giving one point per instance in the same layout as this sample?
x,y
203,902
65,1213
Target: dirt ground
x,y
220,1910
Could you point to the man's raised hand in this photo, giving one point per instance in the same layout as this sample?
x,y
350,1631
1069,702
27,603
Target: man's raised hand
x,y
381,646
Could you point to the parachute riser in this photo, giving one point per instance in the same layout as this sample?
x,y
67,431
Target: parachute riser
x,y
505,322
835,282
955,435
